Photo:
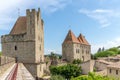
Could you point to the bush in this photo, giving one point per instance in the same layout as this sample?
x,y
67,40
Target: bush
x,y
76,61
110,52
57,77
67,71
92,76
0,53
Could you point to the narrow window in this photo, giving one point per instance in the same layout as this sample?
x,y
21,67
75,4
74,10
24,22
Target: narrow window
x,y
83,58
83,51
76,50
110,71
15,48
116,72
40,47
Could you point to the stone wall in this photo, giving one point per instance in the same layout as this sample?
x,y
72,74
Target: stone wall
x,y
27,48
71,51
37,70
87,66
21,50
5,63
101,65
12,38
84,52
67,52
113,74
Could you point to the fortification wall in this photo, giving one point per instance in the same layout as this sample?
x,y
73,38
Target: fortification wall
x,y
12,38
87,66
5,63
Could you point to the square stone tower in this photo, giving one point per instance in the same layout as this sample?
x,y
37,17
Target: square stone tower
x,y
76,48
26,42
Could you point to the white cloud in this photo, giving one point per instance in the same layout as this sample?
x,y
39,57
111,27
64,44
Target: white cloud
x,y
54,5
103,16
106,45
9,10
48,51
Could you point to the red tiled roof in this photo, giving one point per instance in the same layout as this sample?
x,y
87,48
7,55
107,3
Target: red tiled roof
x,y
71,38
114,65
20,26
82,40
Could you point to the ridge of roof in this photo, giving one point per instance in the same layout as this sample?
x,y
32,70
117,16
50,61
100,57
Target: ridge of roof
x,y
82,39
71,38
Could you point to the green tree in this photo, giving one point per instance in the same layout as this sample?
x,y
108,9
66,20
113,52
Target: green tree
x,y
67,71
0,53
92,76
76,61
110,52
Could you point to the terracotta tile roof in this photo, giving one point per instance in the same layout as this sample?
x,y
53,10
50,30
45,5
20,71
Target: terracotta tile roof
x,y
114,65
82,40
20,26
104,61
71,38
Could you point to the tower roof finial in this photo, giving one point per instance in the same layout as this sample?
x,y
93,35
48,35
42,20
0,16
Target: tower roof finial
x,y
18,12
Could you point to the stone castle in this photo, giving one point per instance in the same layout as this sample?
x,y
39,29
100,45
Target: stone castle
x,y
76,48
25,42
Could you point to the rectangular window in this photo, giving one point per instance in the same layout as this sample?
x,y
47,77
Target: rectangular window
x,y
110,71
15,48
116,72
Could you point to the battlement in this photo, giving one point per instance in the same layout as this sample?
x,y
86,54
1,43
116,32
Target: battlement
x,y
12,38
33,12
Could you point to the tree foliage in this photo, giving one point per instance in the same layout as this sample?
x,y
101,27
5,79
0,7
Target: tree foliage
x,y
67,71
57,77
76,61
0,53
92,76
110,52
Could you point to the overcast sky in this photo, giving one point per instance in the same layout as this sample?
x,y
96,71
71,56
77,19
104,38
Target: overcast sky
x,y
97,20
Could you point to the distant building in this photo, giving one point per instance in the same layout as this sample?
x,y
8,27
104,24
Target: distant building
x,y
25,42
113,70
76,48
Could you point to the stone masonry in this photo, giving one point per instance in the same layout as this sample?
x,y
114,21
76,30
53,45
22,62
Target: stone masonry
x,y
76,48
25,42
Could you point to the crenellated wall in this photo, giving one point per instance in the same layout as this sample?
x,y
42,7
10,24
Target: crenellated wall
x,y
12,38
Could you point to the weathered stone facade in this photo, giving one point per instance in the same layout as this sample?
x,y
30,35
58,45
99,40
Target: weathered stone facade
x,y
5,63
113,70
87,66
76,48
26,42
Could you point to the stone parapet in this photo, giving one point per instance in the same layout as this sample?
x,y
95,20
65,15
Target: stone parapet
x,y
12,38
5,60
5,63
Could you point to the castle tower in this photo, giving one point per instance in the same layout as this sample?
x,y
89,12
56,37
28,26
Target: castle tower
x,y
75,48
26,42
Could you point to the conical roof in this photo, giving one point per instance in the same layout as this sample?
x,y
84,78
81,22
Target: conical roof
x,y
82,40
71,38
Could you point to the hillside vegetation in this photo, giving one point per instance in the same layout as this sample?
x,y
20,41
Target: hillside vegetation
x,y
92,76
109,52
0,53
